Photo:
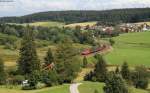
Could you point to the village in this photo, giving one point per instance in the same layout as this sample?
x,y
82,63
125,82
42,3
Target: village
x,y
123,28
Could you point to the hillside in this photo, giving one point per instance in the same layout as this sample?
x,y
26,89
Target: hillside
x,y
90,87
43,24
82,24
117,15
55,89
131,47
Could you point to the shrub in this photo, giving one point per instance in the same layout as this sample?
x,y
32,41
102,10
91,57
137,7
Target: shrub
x,y
28,87
140,77
18,79
50,78
112,42
2,73
96,91
115,84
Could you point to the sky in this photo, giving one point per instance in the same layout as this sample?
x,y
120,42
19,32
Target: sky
x,y
24,7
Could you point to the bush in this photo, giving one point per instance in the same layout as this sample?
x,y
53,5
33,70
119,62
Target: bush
x,y
28,87
40,85
8,46
33,80
50,78
85,62
142,83
140,77
111,41
18,79
12,71
2,73
115,84
96,91
89,76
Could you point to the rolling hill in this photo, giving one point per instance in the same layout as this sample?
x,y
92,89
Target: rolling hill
x,y
131,47
55,89
117,15
81,24
90,87
43,24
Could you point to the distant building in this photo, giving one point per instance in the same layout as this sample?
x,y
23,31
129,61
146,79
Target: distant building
x,y
134,27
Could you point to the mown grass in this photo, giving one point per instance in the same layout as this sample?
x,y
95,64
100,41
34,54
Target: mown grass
x,y
90,87
44,24
47,24
56,89
133,48
81,24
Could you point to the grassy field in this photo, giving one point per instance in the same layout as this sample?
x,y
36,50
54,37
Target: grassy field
x,y
45,24
90,87
81,24
133,48
56,89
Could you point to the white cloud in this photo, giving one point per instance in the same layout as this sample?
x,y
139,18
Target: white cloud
x,y
21,7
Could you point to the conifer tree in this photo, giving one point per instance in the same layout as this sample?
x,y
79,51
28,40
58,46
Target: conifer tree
x,y
115,84
33,79
100,69
2,73
67,62
117,71
85,62
49,57
28,60
125,72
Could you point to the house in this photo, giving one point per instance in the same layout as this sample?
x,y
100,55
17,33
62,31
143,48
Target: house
x,y
134,27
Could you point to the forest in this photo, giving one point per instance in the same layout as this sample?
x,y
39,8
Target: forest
x,y
116,15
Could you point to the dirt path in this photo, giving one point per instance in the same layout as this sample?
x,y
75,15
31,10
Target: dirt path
x,y
74,88
107,50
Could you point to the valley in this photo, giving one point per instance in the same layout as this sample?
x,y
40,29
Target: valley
x,y
76,51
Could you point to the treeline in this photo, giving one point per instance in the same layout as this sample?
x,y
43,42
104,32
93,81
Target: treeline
x,y
117,15
10,34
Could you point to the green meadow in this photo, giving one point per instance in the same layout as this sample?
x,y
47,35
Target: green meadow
x,y
90,87
44,24
133,48
55,89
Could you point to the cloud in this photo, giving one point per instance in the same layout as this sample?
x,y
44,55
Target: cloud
x,y
22,7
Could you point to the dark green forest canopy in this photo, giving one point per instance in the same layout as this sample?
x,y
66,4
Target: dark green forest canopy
x,y
116,15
